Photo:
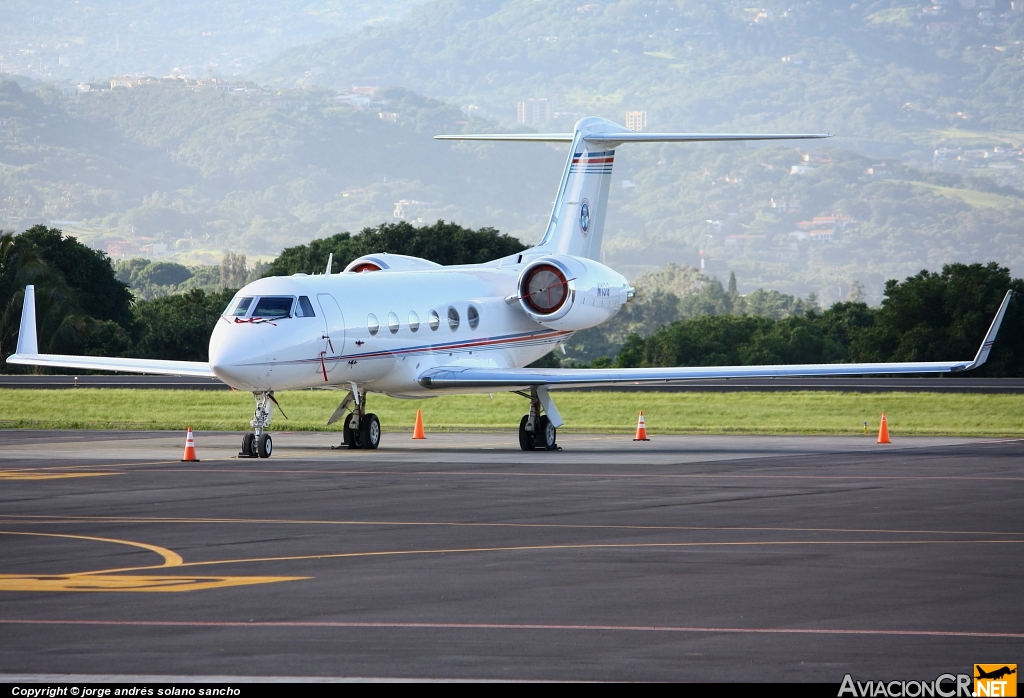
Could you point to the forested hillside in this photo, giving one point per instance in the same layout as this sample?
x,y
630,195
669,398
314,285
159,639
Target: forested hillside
x,y
250,170
58,40
926,167
877,71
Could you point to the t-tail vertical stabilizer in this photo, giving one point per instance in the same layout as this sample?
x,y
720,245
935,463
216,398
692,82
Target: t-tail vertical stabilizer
x,y
576,226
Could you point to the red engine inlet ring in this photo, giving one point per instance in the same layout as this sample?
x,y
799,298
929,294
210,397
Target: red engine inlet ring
x,y
544,289
365,266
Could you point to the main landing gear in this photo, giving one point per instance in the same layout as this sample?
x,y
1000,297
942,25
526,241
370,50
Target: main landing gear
x,y
258,444
537,431
362,429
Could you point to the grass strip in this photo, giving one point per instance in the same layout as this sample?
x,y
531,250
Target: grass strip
x,y
798,412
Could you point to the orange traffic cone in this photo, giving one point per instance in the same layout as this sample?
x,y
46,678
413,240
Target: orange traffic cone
x,y
417,431
883,432
190,449
641,429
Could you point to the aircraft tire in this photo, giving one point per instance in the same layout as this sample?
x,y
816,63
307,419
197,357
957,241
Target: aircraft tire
x,y
527,440
352,437
369,431
248,446
265,445
545,434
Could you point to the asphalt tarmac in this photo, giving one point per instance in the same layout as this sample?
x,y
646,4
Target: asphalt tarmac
x,y
460,557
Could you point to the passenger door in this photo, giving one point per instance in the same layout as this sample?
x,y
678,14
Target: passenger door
x,y
334,337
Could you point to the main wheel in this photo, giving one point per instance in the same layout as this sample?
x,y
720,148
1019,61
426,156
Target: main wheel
x,y
544,434
248,446
527,439
369,431
352,437
265,445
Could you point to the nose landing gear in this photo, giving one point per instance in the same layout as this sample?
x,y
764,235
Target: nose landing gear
x,y
258,444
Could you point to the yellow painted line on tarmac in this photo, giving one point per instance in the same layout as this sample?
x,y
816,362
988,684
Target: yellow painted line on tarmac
x,y
171,558
39,475
64,520
126,582
577,546
108,580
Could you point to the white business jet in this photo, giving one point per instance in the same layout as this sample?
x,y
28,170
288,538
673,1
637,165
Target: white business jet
x,y
410,328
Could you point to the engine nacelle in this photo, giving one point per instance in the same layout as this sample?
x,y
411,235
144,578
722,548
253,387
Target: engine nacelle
x,y
569,293
383,261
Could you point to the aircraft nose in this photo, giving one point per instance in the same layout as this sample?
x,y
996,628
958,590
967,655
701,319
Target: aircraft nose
x,y
238,358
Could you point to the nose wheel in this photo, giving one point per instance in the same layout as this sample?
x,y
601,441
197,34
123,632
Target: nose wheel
x,y
253,446
258,444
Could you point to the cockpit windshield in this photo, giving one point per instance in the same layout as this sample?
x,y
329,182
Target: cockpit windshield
x,y
273,307
239,307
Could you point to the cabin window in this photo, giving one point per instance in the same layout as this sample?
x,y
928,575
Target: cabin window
x,y
239,307
371,324
304,308
392,323
414,321
453,318
273,307
473,316
435,320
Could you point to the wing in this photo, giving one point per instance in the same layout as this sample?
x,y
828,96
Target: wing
x,y
449,377
28,353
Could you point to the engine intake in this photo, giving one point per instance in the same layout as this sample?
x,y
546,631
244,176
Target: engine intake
x,y
569,293
544,289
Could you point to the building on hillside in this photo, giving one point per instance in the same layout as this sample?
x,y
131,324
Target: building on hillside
x,y
833,221
122,248
390,116
821,234
636,120
534,111
4,129
784,206
408,208
123,81
801,169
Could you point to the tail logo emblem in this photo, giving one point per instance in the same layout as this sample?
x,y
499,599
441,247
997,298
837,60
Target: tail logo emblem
x,y
585,217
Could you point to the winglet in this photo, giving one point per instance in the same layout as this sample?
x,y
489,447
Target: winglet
x,y
27,343
330,264
990,337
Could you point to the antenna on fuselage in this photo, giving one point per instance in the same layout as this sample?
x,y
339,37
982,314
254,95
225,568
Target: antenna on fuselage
x,y
330,263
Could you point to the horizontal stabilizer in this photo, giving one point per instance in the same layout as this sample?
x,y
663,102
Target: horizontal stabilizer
x,y
525,137
630,137
697,137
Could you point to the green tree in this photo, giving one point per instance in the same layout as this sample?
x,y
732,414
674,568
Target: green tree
x,y
178,327
444,243
87,272
938,316
163,274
